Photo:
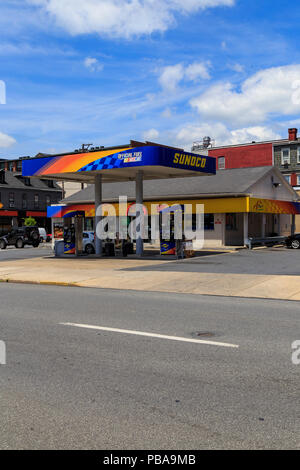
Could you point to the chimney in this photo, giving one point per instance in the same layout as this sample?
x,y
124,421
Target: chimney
x,y
293,134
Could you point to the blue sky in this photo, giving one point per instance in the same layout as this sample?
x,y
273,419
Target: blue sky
x,y
106,71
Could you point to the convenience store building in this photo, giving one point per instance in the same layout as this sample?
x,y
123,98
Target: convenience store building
x,y
238,203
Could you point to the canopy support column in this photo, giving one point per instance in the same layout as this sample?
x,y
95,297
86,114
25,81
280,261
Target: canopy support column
x,y
246,228
139,200
293,227
98,212
263,226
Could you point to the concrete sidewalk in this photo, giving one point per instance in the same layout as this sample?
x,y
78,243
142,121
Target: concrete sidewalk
x,y
114,274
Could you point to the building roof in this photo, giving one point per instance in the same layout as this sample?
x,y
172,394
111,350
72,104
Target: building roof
x,y
231,182
276,143
14,181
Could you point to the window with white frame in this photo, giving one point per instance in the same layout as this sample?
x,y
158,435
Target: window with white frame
x,y
11,199
298,155
288,178
221,163
36,201
285,156
24,201
298,180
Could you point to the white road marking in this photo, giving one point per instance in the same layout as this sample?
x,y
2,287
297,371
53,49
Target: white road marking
x,y
151,335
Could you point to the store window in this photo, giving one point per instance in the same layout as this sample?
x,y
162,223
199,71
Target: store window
x,y
11,200
36,201
285,157
221,163
5,225
209,222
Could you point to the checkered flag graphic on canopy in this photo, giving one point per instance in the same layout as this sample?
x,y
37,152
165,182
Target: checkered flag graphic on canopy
x,y
104,163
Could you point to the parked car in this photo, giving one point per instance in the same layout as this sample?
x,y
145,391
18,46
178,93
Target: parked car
x,y
293,241
43,235
88,242
20,237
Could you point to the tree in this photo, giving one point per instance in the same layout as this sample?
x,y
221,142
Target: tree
x,y
30,222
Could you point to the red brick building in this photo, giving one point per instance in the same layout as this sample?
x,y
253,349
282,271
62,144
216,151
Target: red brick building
x,y
284,154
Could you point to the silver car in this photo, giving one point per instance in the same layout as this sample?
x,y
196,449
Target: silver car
x,y
88,242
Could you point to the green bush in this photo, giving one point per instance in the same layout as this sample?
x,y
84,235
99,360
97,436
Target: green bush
x,y
30,222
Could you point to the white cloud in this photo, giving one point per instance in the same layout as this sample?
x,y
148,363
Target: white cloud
x,y
238,68
173,74
256,133
190,133
6,140
198,70
167,113
121,18
151,135
93,64
22,49
269,92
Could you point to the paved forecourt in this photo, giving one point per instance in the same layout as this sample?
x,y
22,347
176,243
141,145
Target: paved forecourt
x,y
188,276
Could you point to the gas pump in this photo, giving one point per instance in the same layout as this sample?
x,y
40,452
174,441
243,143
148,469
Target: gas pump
x,y
73,234
69,239
166,231
167,242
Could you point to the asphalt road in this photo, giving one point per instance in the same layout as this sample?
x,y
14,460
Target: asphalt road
x,y
67,387
12,253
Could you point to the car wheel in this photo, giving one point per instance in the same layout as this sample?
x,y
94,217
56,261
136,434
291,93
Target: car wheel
x,y
295,244
35,244
89,249
3,245
19,243
34,235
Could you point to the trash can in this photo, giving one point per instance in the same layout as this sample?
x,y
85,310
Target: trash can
x,y
59,247
109,249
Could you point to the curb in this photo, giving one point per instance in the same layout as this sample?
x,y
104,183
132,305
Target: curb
x,y
40,283
69,284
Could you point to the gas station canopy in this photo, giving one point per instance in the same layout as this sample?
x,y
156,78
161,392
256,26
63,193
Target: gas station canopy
x,y
121,164
137,161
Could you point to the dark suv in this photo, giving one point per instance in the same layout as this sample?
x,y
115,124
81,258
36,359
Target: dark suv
x,y
20,237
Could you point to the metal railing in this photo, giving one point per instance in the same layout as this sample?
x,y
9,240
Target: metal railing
x,y
265,241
